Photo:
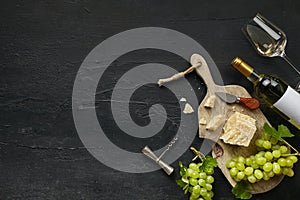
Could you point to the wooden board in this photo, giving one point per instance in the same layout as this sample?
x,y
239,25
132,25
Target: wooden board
x,y
229,151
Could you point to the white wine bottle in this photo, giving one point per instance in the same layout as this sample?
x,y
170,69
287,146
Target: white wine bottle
x,y
277,94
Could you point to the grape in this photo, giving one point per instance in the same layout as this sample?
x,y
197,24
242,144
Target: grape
x,y
285,170
195,174
275,147
271,174
258,174
210,179
193,166
230,164
276,153
268,167
276,168
267,145
268,155
248,171
259,142
282,162
248,161
235,159
211,194
254,165
203,192
290,172
240,175
289,163
194,196
233,171
283,149
257,155
251,179
265,176
261,154
189,172
240,166
273,140
209,171
266,136
236,179
208,187
208,196
241,159
202,182
261,160
193,181
196,189
293,158
202,175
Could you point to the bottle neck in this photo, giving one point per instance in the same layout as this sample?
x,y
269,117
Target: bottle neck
x,y
246,70
254,77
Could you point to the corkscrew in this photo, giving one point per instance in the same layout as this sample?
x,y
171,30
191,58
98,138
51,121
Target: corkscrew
x,y
149,153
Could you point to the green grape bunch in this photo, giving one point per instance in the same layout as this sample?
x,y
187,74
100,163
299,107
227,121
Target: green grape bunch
x,y
272,158
197,179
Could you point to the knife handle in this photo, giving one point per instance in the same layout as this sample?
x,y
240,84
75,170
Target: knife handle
x,y
250,103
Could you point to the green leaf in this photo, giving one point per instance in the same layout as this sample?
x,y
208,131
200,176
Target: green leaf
x,y
180,183
185,179
284,131
271,131
182,169
209,162
241,191
186,190
186,187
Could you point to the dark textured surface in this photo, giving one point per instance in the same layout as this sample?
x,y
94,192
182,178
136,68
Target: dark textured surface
x,y
42,44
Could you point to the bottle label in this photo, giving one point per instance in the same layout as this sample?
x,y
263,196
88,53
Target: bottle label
x,y
289,104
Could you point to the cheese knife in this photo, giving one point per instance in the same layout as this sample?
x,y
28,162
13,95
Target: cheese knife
x,y
250,103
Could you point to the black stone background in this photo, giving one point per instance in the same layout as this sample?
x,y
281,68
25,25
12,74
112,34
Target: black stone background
x,y
43,43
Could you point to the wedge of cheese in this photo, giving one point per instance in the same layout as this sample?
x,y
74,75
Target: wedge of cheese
x,y
215,122
188,109
210,102
239,129
202,121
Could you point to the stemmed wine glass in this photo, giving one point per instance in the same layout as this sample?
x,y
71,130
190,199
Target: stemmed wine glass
x,y
268,40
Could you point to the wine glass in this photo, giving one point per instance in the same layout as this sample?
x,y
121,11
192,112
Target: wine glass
x,y
268,40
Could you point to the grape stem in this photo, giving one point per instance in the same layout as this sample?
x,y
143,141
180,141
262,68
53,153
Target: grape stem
x,y
290,154
297,152
198,154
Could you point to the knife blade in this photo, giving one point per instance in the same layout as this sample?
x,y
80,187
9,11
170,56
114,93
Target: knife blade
x,y
250,103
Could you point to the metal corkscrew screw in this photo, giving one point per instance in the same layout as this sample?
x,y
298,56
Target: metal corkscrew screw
x,y
149,153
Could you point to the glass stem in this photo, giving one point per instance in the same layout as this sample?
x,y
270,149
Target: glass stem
x,y
284,56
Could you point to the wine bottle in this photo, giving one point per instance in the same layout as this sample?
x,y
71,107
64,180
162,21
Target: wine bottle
x,y
276,93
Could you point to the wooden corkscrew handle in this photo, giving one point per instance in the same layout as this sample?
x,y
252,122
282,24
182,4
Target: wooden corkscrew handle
x,y
250,103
